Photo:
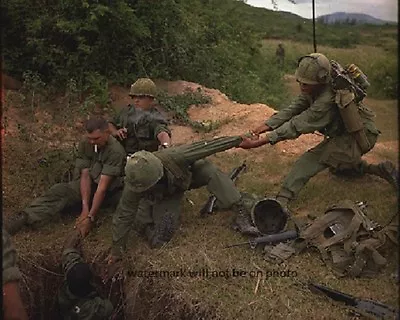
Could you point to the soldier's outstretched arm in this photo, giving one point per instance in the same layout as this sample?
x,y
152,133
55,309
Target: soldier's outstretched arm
x,y
85,187
123,220
314,118
297,106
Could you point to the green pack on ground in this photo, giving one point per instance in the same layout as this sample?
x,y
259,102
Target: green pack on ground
x,y
349,242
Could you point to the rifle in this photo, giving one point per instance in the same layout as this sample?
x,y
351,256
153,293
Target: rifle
x,y
369,308
209,206
268,239
341,80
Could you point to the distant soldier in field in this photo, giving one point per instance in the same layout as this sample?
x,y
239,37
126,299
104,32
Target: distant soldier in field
x,y
280,55
321,108
163,177
77,297
140,126
99,171
13,308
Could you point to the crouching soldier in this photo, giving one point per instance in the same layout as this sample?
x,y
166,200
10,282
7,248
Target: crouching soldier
x,y
163,177
77,298
337,111
99,166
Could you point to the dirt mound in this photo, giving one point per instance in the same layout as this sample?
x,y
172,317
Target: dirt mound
x,y
235,118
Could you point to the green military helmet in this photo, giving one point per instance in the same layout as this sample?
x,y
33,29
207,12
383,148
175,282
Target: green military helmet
x,y
142,171
143,87
269,216
314,68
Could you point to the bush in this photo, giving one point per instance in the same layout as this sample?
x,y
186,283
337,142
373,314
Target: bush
x,y
120,40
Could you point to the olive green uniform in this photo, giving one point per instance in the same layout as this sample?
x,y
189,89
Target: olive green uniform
x,y
184,169
109,161
142,128
73,307
339,149
11,272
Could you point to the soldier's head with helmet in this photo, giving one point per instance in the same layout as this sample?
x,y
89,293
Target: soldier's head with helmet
x,y
313,73
143,93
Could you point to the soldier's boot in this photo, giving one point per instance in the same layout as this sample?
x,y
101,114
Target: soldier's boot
x,y
16,223
386,170
242,222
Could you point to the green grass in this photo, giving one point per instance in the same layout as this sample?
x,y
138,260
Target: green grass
x,y
379,65
199,243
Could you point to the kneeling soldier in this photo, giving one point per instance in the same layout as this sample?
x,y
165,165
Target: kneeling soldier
x,y
163,177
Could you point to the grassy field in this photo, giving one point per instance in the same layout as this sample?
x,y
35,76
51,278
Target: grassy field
x,y
378,64
216,291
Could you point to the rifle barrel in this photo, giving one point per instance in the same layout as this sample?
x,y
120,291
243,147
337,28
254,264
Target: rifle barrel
x,y
369,306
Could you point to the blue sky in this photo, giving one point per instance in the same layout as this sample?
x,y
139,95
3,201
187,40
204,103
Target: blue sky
x,y
382,9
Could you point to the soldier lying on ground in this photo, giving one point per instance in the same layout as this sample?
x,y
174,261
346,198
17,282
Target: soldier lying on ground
x,y
163,177
13,308
140,126
78,298
315,109
99,166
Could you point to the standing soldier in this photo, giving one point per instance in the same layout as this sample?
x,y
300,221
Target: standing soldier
x,y
140,126
13,308
280,55
317,108
100,167
163,177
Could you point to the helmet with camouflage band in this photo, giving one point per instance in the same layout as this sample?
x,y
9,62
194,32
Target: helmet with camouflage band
x,y
314,68
269,216
143,87
142,171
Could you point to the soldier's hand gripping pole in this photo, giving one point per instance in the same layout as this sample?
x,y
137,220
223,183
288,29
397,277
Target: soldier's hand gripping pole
x,y
209,206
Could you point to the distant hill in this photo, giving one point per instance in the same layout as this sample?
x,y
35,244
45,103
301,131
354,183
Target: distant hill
x,y
351,18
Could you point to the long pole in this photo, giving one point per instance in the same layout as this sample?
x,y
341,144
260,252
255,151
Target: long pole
x,y
313,24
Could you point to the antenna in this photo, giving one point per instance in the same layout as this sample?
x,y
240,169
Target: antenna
x,y
313,23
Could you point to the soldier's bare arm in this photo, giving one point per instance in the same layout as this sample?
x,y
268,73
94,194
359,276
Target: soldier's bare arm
x,y
100,193
85,186
98,198
164,138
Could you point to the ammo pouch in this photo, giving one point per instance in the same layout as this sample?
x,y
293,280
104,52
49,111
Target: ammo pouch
x,y
350,115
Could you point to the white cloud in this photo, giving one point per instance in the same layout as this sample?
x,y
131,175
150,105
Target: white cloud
x,y
382,9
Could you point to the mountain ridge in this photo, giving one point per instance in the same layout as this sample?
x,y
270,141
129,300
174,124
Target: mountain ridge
x,y
352,18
